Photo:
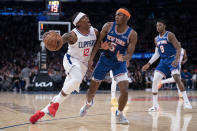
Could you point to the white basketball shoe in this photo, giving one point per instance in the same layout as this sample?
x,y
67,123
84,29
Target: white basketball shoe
x,y
83,110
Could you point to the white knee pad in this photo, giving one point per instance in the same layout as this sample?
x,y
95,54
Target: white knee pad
x,y
73,80
157,78
71,85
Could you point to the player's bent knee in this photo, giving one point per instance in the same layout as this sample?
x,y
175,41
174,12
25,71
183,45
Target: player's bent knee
x,y
124,91
176,77
71,86
154,90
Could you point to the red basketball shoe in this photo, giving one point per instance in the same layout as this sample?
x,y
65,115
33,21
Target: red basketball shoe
x,y
38,115
53,109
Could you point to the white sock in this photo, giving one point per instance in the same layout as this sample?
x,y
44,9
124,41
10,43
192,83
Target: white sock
x,y
156,79
185,98
179,92
119,112
155,100
60,98
169,80
45,110
89,103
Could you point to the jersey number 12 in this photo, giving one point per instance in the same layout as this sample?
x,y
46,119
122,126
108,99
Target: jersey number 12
x,y
86,52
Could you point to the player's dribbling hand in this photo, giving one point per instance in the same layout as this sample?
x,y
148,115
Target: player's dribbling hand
x,y
105,45
90,63
175,63
119,56
145,67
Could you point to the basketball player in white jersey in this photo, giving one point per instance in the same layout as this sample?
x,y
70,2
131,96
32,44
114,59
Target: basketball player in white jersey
x,y
183,60
80,41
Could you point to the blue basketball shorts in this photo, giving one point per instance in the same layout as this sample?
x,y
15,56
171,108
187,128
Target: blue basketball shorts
x,y
165,67
104,65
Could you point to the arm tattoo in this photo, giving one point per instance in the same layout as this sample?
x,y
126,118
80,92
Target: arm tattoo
x,y
67,38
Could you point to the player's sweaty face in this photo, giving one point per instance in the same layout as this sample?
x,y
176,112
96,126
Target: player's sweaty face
x,y
160,26
119,18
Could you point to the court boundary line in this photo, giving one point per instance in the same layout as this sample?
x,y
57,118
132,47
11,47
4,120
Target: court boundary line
x,y
63,118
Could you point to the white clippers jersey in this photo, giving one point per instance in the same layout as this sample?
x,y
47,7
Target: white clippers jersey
x,y
82,49
182,54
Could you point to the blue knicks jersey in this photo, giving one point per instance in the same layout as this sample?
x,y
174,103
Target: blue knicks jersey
x,y
119,42
165,48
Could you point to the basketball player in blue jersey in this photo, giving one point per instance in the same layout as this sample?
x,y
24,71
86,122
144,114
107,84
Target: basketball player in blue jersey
x,y
168,49
182,60
122,40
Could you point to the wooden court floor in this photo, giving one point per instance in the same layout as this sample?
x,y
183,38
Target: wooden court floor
x,y
16,108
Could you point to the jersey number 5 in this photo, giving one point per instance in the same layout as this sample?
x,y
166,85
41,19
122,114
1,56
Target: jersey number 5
x,y
162,49
112,46
86,52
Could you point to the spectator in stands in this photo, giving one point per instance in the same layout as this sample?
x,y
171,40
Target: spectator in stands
x,y
187,78
25,74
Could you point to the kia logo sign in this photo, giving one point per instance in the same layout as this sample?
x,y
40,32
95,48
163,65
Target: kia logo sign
x,y
43,84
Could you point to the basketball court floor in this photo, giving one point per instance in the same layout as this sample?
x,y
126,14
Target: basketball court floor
x,y
16,108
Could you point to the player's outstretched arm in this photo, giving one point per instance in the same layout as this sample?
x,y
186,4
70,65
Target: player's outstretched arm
x,y
97,46
69,38
172,38
102,34
90,62
153,58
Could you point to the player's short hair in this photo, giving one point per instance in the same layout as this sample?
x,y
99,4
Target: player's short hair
x,y
162,21
126,9
74,16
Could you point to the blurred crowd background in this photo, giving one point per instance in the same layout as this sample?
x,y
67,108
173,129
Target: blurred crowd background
x,y
20,46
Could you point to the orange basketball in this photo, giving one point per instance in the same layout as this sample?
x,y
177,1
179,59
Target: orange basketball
x,y
53,41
